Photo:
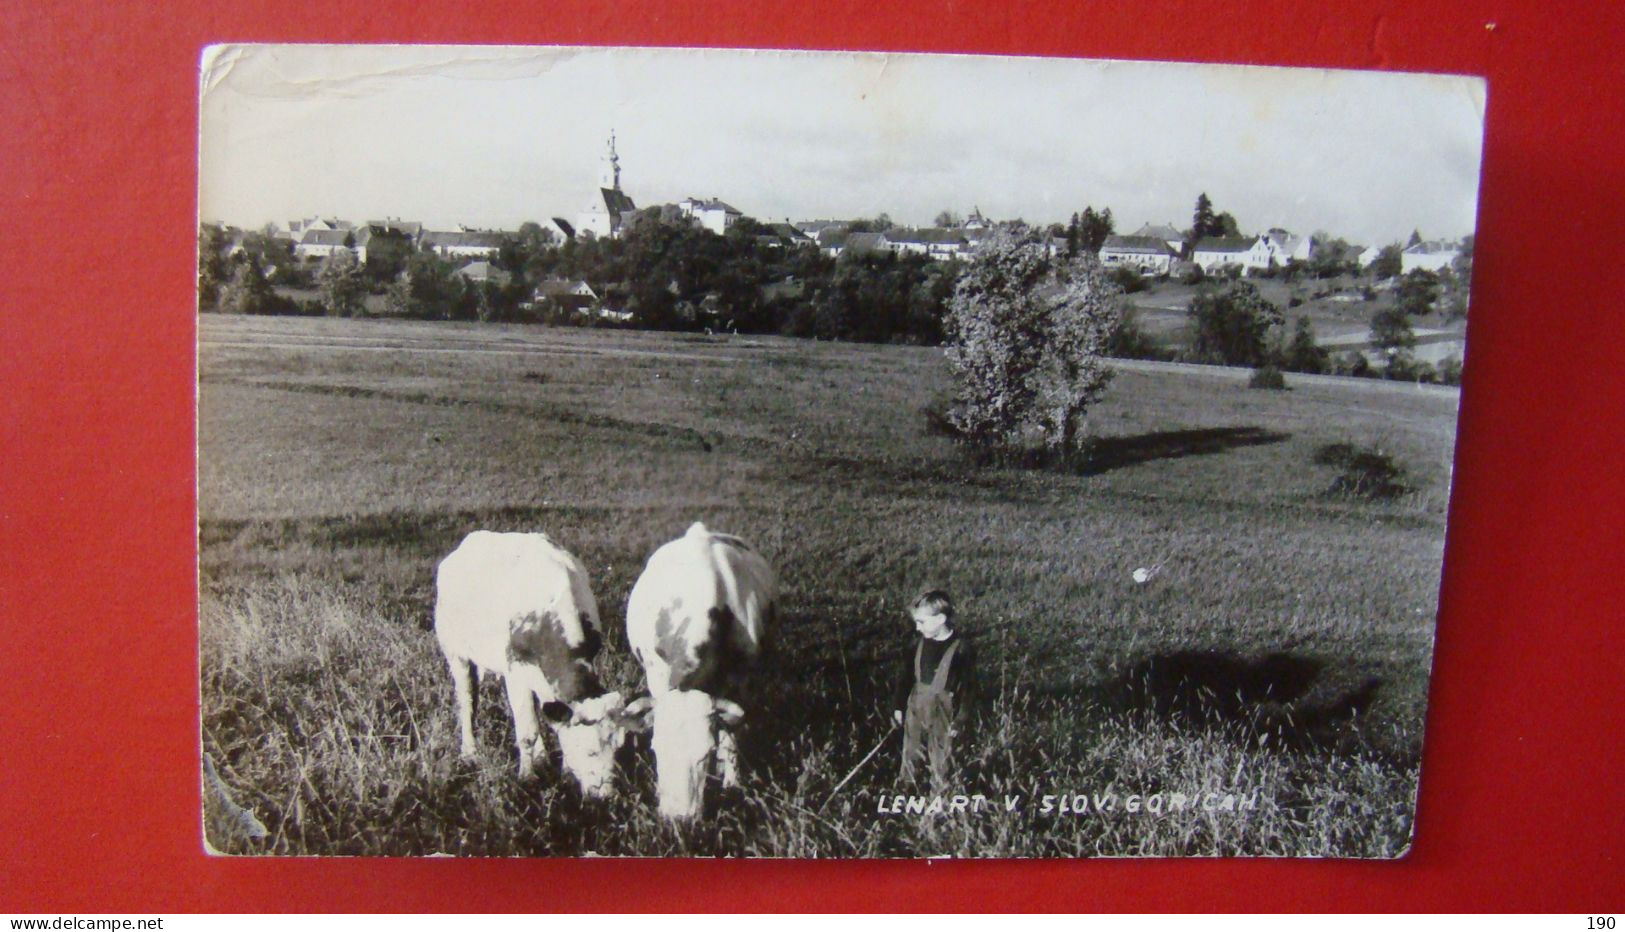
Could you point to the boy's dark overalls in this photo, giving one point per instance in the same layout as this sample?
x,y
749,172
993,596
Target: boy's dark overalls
x,y
932,709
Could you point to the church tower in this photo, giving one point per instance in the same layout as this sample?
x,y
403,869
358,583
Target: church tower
x,y
609,172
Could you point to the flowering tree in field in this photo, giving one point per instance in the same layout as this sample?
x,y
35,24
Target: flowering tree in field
x,y
341,283
1026,337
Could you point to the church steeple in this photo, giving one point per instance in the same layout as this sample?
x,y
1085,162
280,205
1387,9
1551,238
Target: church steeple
x,y
610,172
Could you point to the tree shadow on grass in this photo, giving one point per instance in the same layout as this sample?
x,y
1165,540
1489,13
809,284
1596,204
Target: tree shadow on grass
x,y
1283,698
1104,454
1107,453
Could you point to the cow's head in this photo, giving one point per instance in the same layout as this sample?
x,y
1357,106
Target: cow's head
x,y
590,731
686,726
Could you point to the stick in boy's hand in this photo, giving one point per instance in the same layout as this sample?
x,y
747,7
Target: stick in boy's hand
x,y
854,772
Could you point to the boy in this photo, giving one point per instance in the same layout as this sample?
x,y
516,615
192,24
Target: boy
x,y
936,693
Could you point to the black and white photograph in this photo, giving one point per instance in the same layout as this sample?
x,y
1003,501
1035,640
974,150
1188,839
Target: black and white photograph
x,y
719,453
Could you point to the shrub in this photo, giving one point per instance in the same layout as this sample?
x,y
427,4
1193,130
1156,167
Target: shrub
x,y
1366,472
1192,275
1450,371
1303,354
1230,326
1128,340
1129,280
1267,376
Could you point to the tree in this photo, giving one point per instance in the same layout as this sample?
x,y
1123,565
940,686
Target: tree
x,y
1457,300
1391,331
213,271
387,254
1093,228
1331,257
1026,338
1203,221
1388,262
341,283
1231,326
1417,292
948,218
248,292
1303,354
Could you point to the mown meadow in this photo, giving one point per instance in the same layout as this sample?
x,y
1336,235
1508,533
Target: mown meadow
x,y
1278,655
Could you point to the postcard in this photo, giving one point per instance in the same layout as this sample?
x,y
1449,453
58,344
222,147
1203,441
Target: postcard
x,y
676,452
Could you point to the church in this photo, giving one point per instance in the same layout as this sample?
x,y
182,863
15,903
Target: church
x,y
607,211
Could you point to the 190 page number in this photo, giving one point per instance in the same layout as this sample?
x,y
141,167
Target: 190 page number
x,y
1600,922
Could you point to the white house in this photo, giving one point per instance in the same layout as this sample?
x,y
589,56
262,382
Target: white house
x,y
463,244
935,242
1287,247
906,242
711,213
1369,255
1148,255
1215,252
319,244
1431,255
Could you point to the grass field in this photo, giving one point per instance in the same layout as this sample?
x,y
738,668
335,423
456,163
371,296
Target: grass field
x,y
1281,656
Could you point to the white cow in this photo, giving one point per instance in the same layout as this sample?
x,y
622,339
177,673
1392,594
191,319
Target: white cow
x,y
696,620
519,606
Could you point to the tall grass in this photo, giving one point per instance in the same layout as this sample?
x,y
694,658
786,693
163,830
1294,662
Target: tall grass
x,y
333,724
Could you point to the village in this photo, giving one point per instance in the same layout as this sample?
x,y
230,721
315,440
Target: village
x,y
1360,300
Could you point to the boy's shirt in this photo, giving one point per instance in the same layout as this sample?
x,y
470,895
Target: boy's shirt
x,y
961,680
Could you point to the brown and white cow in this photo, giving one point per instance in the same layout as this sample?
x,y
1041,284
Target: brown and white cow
x,y
520,606
696,620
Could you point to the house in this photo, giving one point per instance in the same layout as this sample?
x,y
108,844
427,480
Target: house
x,y
814,227
564,294
411,229
298,228
319,244
1430,256
1286,247
463,244
403,234
1369,255
791,235
905,242
1148,255
1213,253
785,289
710,213
1165,232
865,244
832,241
937,243
482,272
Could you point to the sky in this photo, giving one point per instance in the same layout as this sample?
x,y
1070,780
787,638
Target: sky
x,y
492,136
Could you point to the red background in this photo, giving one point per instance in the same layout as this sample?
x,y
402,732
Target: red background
x,y
1521,801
